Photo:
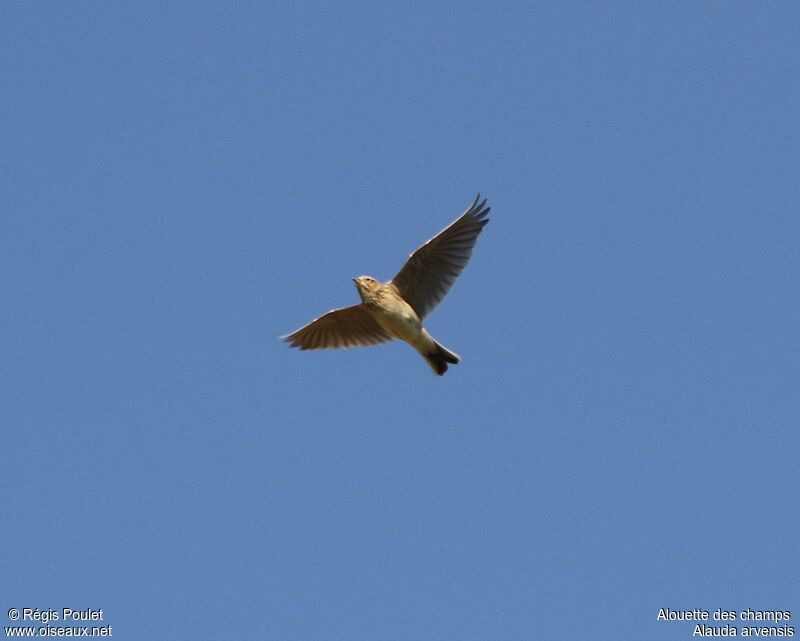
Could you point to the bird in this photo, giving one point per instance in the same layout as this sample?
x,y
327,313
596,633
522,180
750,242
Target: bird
x,y
396,308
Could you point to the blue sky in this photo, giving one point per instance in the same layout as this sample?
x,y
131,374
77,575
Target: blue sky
x,y
185,182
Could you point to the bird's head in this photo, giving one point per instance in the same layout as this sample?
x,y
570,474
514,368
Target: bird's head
x,y
366,285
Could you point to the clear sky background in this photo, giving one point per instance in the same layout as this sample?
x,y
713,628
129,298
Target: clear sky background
x,y
184,182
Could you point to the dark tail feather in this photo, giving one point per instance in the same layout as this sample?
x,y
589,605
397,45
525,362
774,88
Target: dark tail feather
x,y
439,358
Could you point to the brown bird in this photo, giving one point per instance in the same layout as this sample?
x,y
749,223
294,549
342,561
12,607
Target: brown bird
x,y
395,309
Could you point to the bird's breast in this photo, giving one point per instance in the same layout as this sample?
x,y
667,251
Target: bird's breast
x,y
397,317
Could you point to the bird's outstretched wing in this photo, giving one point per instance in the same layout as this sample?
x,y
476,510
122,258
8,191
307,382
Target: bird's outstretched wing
x,y
430,271
344,327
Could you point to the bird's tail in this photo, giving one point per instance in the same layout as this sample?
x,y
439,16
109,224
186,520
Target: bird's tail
x,y
439,357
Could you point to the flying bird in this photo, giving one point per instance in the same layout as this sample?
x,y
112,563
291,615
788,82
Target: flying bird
x,y
395,309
